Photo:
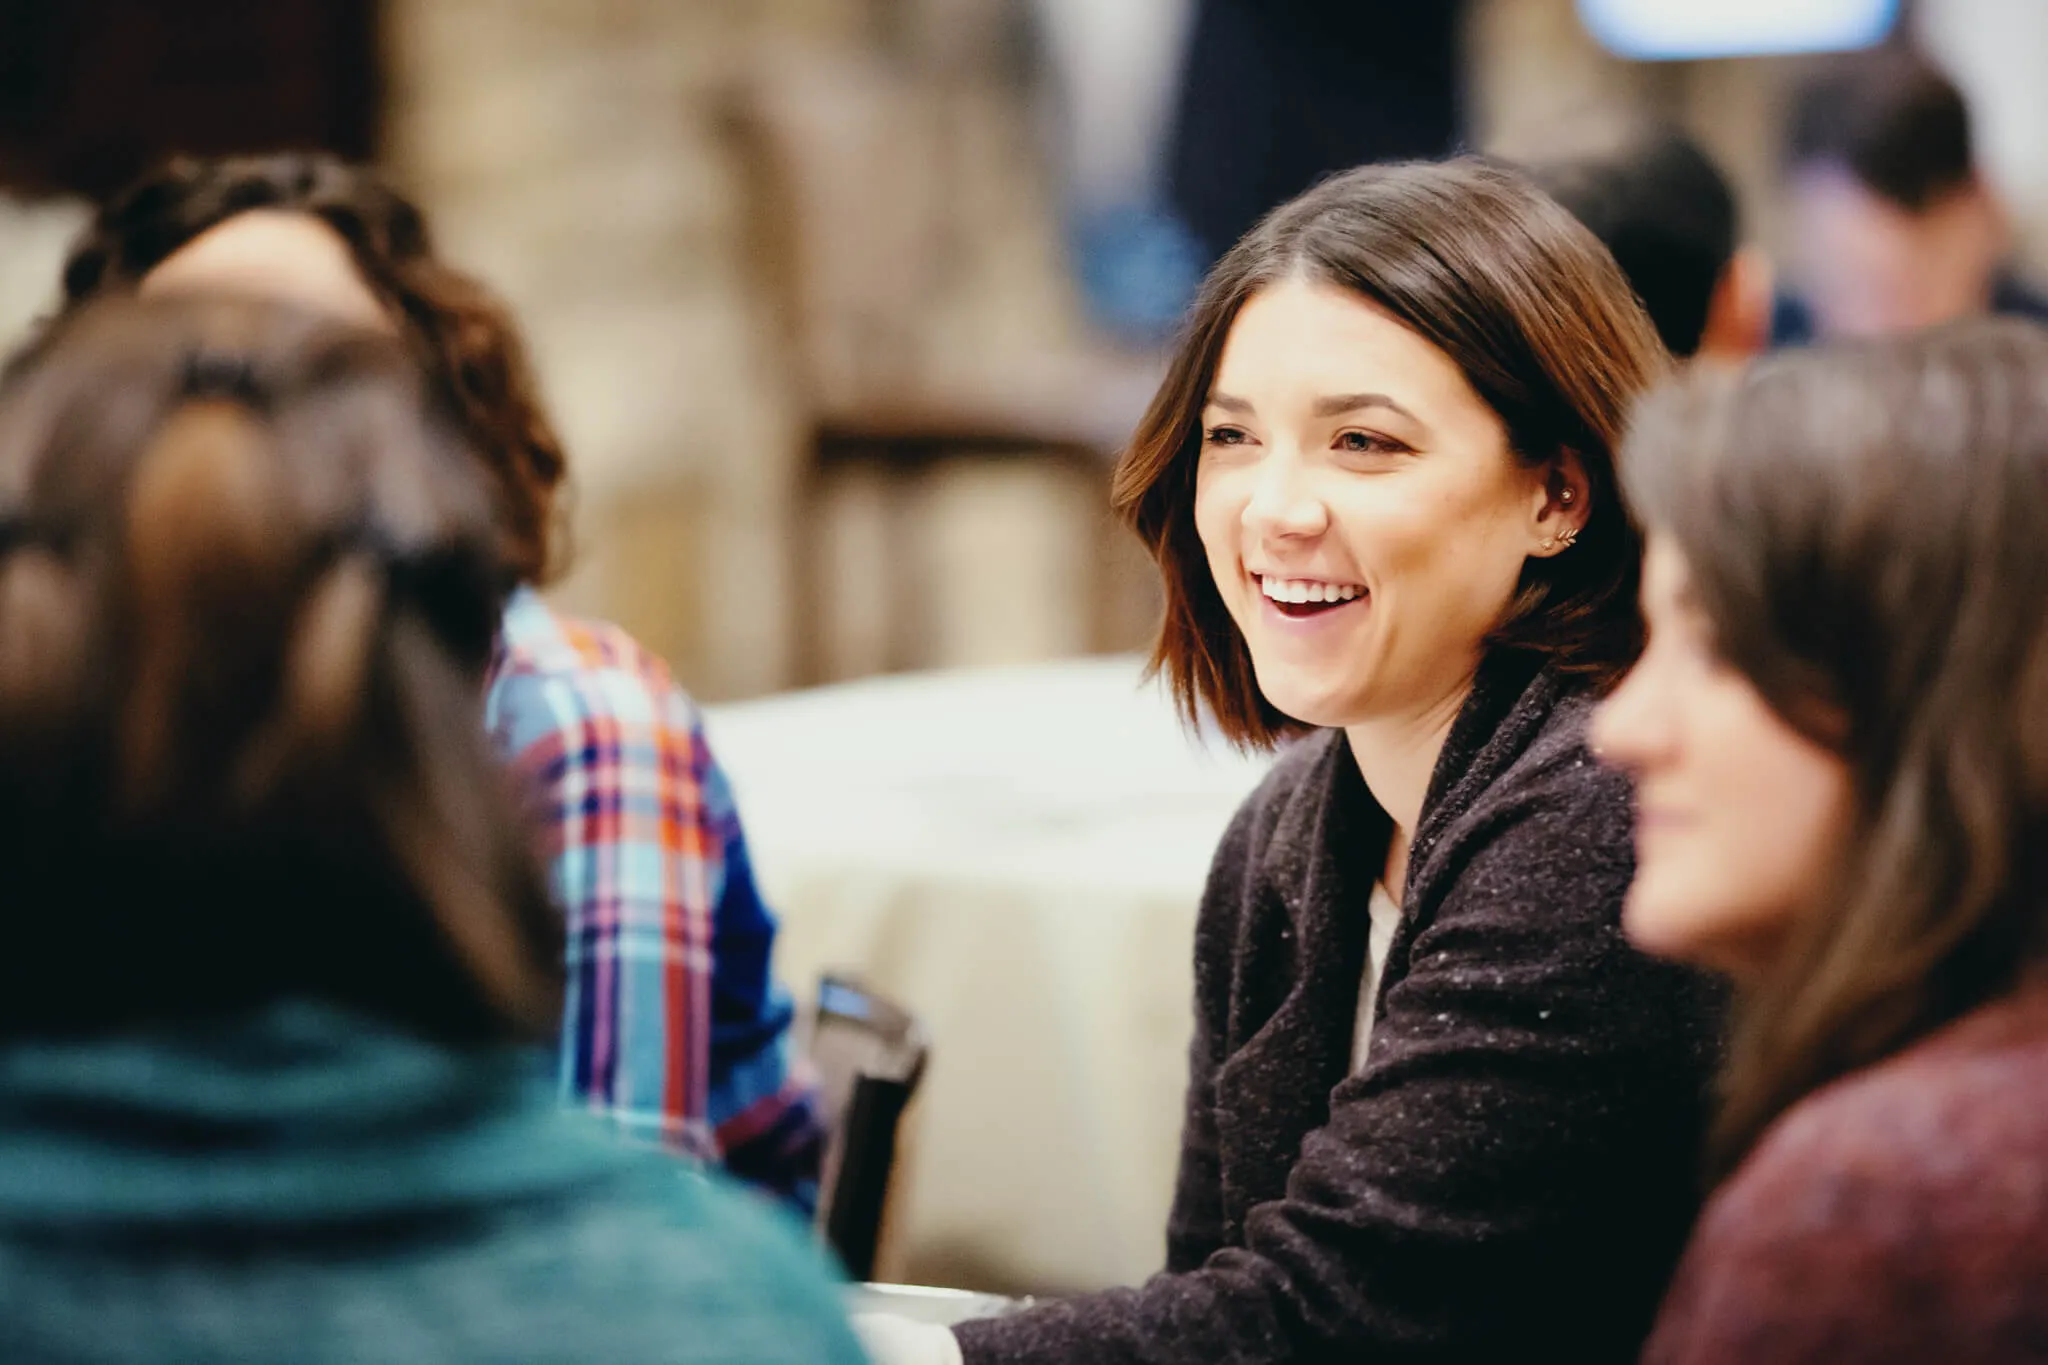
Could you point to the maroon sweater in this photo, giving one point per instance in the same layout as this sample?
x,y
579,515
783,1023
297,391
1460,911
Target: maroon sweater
x,y
1900,1214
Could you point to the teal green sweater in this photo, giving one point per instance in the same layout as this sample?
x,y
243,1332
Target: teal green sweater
x,y
309,1186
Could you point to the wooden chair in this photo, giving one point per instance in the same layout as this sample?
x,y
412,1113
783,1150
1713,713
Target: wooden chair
x,y
844,205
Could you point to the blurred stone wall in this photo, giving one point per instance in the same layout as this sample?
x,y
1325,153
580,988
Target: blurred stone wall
x,y
568,152
693,310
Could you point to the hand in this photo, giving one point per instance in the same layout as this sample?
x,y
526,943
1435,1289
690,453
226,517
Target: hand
x,y
890,1340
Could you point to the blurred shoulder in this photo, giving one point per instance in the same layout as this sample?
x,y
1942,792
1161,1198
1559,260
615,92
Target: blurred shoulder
x,y
1304,779
594,666
559,1245
1933,1121
1555,777
1527,773
675,1263
535,638
1304,769
1528,804
1893,1215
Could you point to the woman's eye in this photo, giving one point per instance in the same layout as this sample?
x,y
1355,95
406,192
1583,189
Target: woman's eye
x,y
1365,443
1225,436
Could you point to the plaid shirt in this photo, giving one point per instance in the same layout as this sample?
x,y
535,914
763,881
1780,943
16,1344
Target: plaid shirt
x,y
674,1028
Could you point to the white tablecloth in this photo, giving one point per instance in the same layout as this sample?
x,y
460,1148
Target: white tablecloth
x,y
1016,855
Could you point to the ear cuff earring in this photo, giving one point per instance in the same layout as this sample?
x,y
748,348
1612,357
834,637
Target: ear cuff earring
x,y
1569,537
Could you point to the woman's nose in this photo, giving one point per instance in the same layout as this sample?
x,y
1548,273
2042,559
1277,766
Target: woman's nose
x,y
1283,504
1626,731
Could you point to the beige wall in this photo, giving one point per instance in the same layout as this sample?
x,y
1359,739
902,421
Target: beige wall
x,y
691,309
569,152
34,238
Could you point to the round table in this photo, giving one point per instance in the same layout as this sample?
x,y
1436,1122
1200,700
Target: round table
x,y
1015,855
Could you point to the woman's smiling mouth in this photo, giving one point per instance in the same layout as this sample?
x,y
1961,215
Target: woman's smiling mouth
x,y
1307,596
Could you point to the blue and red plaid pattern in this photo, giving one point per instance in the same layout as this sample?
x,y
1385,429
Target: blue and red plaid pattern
x,y
673,1027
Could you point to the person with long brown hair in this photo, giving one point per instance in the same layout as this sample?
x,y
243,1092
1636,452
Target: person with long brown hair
x,y
279,949
673,1027
1838,735
1437,1110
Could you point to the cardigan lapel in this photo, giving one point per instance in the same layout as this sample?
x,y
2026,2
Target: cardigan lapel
x,y
1286,1056
1307,930
1511,698
1510,702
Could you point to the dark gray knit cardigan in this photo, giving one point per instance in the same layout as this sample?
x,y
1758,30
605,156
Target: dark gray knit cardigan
x,y
1511,1176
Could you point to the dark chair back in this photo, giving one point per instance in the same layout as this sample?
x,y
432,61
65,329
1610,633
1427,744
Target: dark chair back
x,y
870,1055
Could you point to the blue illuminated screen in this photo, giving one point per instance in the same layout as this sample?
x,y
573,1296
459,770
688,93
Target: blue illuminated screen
x,y
1663,30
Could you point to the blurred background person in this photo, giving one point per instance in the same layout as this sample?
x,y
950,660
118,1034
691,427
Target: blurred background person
x,y
1276,94
1670,217
1893,224
280,947
1191,118
673,1026
1435,1104
1836,735
1112,71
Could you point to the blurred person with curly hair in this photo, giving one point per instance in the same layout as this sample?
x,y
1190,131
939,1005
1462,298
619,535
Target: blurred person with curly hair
x,y
673,1025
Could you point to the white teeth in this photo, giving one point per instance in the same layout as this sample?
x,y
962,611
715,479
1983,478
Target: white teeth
x,y
1305,590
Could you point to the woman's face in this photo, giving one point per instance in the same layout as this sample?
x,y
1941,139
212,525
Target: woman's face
x,y
1738,816
1363,517
275,254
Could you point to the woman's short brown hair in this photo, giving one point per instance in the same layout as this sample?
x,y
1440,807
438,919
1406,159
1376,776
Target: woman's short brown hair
x,y
459,332
1529,306
1862,525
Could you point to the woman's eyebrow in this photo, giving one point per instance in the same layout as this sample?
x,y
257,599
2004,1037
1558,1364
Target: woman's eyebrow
x,y
1337,405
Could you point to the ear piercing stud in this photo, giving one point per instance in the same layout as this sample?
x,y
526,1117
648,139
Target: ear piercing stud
x,y
1564,540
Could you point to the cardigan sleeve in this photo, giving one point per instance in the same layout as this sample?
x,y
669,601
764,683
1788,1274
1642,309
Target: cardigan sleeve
x,y
1194,1225
1489,1177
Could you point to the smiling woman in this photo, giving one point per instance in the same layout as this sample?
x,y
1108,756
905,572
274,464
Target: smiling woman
x,y
1437,1110
1447,324
1363,546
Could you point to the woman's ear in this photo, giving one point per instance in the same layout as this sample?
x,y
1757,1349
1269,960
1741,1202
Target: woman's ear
x,y
1562,504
